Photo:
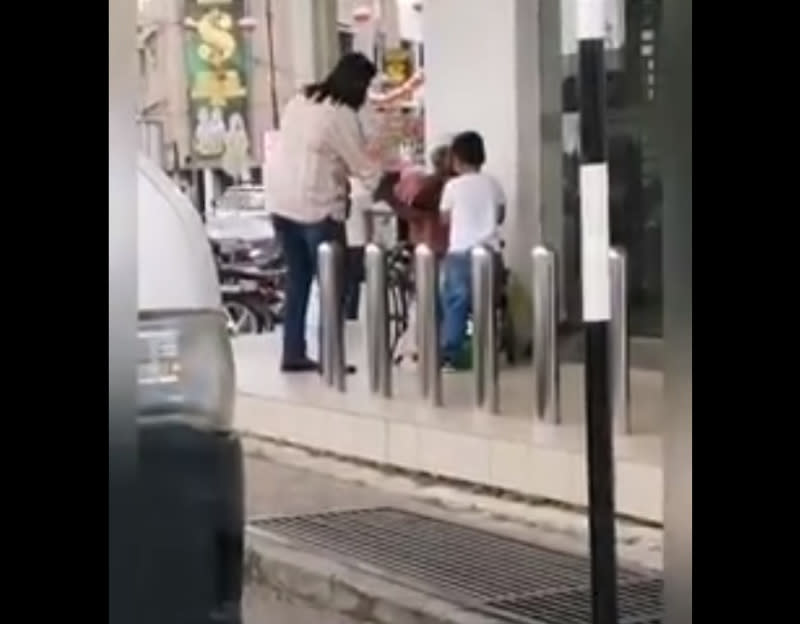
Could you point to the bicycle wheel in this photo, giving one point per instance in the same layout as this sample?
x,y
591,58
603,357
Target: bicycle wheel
x,y
398,316
242,319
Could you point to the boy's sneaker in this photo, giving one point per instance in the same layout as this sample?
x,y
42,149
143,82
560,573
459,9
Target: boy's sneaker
x,y
449,367
455,367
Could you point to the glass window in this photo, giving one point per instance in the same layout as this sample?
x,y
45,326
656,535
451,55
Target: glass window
x,y
635,179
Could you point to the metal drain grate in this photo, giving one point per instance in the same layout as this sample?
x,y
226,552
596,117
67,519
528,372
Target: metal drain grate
x,y
639,603
479,570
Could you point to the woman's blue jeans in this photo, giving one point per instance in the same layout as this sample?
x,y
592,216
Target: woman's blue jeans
x,y
300,242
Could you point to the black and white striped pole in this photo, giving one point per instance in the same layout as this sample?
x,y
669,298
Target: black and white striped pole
x,y
596,305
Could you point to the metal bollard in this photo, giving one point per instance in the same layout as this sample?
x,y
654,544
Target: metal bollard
x,y
379,364
546,402
430,372
484,331
618,370
330,258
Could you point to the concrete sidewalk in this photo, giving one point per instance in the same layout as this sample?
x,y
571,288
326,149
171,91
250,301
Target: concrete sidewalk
x,y
510,450
290,586
293,587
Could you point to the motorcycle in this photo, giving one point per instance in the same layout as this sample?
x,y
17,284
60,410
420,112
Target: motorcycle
x,y
252,283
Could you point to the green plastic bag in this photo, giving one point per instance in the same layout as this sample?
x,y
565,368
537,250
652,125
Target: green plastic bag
x,y
465,355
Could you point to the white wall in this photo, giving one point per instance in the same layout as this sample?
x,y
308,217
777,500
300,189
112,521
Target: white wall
x,y
471,86
488,69
485,85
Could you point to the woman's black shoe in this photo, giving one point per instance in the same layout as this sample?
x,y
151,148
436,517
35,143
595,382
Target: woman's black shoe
x,y
350,369
301,366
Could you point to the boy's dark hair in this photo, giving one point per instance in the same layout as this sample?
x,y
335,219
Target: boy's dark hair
x,y
347,83
468,148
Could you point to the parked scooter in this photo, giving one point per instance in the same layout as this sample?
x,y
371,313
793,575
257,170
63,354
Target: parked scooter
x,y
253,286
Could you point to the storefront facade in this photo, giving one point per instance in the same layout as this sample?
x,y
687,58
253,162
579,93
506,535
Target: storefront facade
x,y
507,69
519,92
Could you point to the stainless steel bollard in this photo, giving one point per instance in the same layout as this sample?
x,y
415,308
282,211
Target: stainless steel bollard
x,y
546,402
379,357
330,258
618,342
426,279
484,330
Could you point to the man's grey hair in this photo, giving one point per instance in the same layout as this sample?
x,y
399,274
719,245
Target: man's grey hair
x,y
439,153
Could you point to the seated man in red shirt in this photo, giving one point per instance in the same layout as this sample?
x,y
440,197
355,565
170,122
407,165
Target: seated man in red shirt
x,y
415,197
417,202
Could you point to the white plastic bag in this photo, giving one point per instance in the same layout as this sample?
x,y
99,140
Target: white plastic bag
x,y
406,352
312,321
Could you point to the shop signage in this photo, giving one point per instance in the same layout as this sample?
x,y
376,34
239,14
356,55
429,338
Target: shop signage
x,y
217,80
397,66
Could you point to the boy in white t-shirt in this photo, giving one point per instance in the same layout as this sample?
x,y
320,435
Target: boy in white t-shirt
x,y
473,204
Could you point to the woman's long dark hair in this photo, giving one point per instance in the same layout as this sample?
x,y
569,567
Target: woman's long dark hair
x,y
347,84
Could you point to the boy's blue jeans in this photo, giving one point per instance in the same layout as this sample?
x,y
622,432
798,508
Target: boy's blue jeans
x,y
456,302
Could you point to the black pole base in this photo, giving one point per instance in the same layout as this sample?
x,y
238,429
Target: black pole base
x,y
600,456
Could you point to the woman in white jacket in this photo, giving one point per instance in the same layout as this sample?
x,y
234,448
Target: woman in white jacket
x,y
321,145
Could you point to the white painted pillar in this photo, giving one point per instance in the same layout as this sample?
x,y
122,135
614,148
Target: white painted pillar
x,y
326,36
498,89
314,39
364,32
302,33
390,22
